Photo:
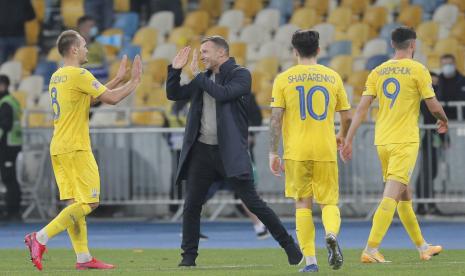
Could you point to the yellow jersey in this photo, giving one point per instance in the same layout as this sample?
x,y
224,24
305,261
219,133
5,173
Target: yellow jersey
x,y
71,90
310,95
399,85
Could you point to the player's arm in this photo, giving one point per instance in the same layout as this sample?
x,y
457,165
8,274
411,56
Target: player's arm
x,y
346,119
114,96
357,120
276,123
437,111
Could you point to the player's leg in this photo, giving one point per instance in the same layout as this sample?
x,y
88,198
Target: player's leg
x,y
382,218
326,193
410,223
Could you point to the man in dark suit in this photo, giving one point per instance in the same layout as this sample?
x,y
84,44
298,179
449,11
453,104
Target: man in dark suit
x,y
215,141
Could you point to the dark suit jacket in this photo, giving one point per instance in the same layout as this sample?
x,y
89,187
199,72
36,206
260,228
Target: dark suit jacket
x,y
231,90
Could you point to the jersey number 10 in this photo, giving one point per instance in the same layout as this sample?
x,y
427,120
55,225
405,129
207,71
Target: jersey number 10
x,y
309,101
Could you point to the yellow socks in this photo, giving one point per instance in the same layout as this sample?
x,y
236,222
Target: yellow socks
x,y
66,218
381,221
410,222
331,219
305,231
78,236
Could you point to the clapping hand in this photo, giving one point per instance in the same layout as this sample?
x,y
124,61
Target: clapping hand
x,y
180,60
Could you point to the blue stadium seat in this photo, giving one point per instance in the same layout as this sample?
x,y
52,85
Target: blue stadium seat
x,y
130,50
387,29
324,61
374,61
342,47
128,22
429,6
46,70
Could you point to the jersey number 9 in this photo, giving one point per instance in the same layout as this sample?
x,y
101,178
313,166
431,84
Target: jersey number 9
x,y
309,101
391,96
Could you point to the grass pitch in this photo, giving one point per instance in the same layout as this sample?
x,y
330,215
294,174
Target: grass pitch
x,y
229,262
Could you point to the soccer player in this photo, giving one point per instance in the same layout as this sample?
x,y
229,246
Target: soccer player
x,y
72,89
304,101
399,84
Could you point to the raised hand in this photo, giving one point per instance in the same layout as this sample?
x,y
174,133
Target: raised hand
x,y
122,70
136,69
195,63
180,60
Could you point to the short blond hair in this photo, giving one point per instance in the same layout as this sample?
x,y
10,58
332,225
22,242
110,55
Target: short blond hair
x,y
66,40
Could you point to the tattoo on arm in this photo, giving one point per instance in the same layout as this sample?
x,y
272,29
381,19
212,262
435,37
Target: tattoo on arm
x,y
276,123
440,116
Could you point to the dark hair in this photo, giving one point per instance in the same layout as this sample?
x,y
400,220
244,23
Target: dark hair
x,y
4,79
66,40
306,42
84,19
218,41
401,37
433,74
448,56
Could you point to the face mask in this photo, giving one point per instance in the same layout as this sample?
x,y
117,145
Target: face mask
x,y
93,31
448,70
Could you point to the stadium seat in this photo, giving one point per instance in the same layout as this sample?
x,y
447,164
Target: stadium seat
x,y
147,118
284,34
249,7
356,6
374,61
433,61
391,5
156,68
103,118
233,19
458,32
375,16
198,21
274,49
146,38
268,19
453,47
377,46
14,70
254,35
446,15
130,50
181,36
387,29
343,65
28,56
39,9
358,63
71,10
341,18
21,97
269,66
165,50
32,30
128,22
359,33
459,3
41,119
320,6
46,70
112,41
213,7
257,79
357,80
121,5
326,31
32,85
428,32
343,47
163,21
411,16
238,50
305,18
218,30
429,6
324,61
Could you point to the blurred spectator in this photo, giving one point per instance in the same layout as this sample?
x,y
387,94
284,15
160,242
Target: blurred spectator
x,y
101,10
430,146
286,7
96,62
173,5
142,7
451,86
10,146
13,15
